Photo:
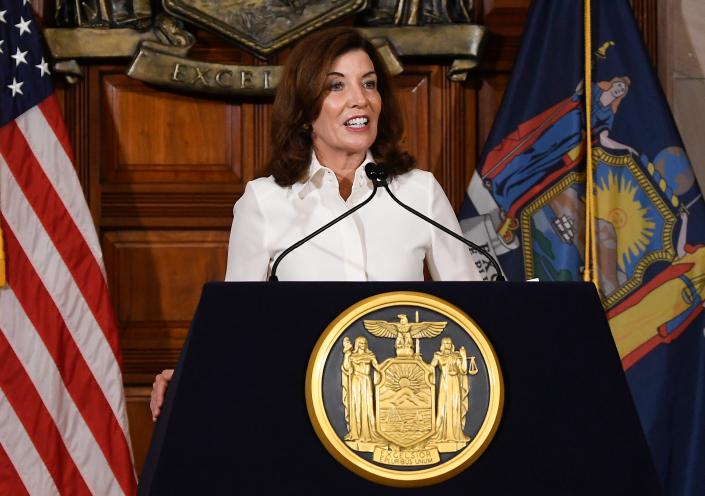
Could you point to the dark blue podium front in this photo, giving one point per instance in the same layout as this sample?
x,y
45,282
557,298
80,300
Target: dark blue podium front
x,y
235,419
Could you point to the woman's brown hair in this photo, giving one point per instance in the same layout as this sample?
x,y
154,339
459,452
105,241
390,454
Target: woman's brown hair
x,y
300,95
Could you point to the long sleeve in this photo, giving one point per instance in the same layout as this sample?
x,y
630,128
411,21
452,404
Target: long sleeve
x,y
448,259
248,257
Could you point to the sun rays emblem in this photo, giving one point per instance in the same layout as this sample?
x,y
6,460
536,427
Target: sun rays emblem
x,y
405,377
617,203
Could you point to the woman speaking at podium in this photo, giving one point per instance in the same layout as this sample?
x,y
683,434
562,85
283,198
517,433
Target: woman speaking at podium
x,y
334,112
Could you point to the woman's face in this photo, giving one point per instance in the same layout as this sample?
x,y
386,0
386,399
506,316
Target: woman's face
x,y
618,89
347,123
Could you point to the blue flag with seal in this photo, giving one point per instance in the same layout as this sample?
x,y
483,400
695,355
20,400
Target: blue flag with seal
x,y
527,204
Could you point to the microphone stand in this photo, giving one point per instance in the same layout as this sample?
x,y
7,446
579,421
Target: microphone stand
x,y
467,242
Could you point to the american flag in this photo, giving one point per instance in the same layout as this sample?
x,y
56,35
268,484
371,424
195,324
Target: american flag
x,y
63,423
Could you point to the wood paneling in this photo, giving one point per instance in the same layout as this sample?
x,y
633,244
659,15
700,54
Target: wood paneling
x,y
504,20
439,119
458,140
141,425
414,89
489,98
646,14
154,136
155,280
164,205
256,132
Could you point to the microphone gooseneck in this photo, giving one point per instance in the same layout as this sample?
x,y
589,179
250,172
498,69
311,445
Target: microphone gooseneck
x,y
383,182
370,170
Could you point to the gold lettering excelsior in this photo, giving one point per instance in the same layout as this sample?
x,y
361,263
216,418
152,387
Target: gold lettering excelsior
x,y
167,66
221,80
199,76
409,458
395,409
178,75
246,79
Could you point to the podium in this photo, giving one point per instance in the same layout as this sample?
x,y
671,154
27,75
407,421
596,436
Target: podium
x,y
235,420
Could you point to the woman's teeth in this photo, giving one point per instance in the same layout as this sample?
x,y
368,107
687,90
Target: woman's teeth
x,y
357,122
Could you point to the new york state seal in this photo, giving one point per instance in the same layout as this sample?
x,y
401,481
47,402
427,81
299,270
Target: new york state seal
x,y
404,389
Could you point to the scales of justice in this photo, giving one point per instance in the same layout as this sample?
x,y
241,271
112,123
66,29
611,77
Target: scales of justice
x,y
395,409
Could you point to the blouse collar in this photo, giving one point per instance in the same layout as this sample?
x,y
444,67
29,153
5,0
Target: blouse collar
x,y
317,171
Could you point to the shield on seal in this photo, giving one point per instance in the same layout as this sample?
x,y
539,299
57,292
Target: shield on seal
x,y
262,26
406,401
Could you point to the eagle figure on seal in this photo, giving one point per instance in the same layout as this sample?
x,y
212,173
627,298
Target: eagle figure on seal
x,y
404,332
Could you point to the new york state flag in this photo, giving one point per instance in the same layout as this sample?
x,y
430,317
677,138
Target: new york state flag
x,y
527,204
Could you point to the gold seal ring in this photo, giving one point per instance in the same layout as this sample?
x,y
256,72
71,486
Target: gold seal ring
x,y
404,389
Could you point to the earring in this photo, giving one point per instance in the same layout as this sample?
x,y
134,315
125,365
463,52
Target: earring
x,y
306,126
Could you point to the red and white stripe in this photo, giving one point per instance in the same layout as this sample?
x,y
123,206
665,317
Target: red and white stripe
x,y
63,422
26,470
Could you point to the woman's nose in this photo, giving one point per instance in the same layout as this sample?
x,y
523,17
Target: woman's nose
x,y
356,97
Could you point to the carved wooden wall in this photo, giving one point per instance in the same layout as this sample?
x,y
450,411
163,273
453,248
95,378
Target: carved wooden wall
x,y
162,171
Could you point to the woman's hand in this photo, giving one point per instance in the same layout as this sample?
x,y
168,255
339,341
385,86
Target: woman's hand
x,y
161,381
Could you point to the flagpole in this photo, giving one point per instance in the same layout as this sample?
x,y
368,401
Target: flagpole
x,y
590,272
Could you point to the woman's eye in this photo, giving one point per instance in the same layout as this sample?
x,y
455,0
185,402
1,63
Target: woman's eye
x,y
336,86
370,85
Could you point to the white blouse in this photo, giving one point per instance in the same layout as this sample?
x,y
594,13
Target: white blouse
x,y
379,242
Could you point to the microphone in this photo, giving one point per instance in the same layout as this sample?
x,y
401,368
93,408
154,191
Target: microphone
x,y
378,175
382,178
